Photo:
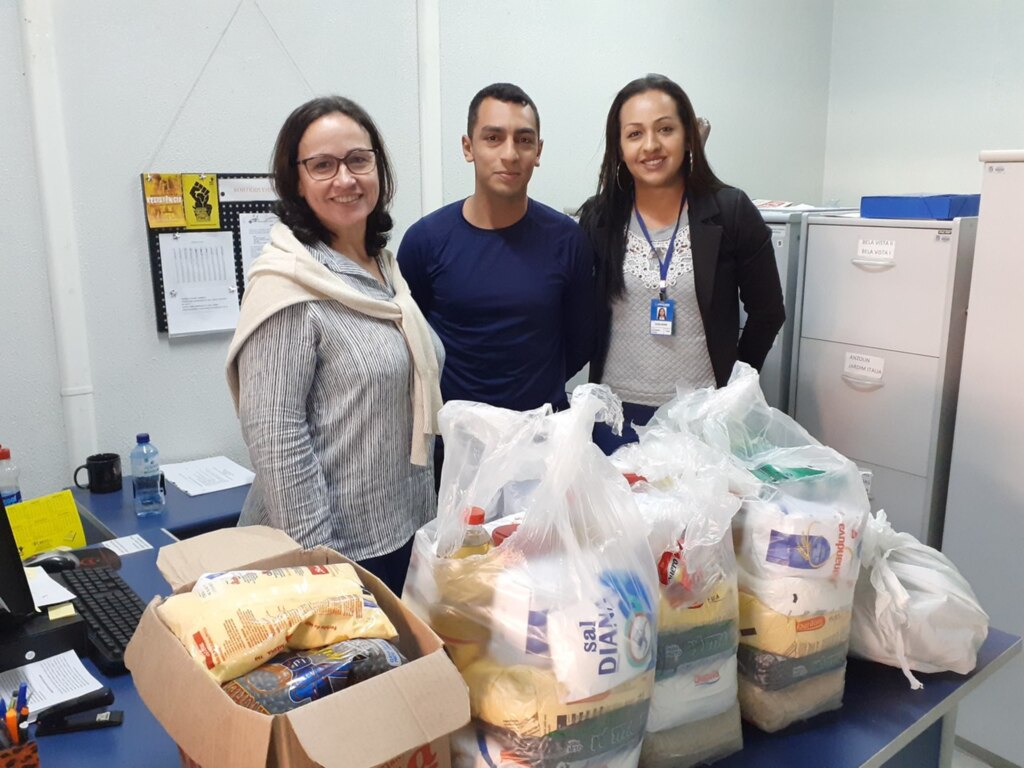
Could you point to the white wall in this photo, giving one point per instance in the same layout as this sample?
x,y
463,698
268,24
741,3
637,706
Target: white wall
x,y
918,88
757,71
31,422
188,86
205,86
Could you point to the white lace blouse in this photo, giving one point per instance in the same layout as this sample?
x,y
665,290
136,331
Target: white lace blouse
x,y
645,369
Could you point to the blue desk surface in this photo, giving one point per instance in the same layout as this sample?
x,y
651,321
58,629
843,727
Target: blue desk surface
x,y
141,741
880,714
183,515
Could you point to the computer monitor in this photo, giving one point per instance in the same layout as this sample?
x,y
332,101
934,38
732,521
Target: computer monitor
x,y
16,602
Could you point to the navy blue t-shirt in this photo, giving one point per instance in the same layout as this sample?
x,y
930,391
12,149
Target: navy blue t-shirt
x,y
513,306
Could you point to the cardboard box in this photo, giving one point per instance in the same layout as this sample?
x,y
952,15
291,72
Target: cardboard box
x,y
943,207
400,719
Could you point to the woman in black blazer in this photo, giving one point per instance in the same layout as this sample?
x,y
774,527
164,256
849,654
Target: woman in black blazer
x,y
672,240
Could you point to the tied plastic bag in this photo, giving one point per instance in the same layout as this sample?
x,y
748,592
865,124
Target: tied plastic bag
x,y
913,609
562,609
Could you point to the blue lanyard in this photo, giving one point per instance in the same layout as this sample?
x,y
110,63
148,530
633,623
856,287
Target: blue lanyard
x,y
663,263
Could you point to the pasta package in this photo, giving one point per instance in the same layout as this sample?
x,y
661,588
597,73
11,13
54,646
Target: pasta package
x,y
233,622
792,636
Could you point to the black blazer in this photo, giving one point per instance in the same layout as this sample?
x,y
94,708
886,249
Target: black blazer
x,y
733,261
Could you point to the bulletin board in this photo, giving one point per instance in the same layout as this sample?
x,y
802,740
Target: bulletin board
x,y
203,230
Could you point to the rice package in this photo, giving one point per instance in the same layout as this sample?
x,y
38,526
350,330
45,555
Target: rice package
x,y
552,620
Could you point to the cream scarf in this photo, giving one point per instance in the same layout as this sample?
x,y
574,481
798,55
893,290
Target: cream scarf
x,y
286,274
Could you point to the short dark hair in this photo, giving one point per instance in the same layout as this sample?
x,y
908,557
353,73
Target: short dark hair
x,y
292,209
613,203
506,92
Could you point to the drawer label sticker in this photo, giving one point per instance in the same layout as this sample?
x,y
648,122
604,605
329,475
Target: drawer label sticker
x,y
864,367
876,250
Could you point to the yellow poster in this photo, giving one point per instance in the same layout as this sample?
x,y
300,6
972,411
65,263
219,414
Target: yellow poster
x,y
202,208
164,205
46,523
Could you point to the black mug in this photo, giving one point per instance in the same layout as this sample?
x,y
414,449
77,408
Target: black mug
x,y
103,471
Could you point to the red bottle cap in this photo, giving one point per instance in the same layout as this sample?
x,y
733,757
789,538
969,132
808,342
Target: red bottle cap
x,y
476,516
633,479
502,532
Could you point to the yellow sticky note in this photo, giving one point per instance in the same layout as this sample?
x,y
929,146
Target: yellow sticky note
x,y
61,611
164,204
202,206
45,523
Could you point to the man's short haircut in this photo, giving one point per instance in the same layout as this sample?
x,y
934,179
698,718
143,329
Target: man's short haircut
x,y
506,92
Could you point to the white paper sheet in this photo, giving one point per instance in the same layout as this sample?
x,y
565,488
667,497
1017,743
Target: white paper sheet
x,y
45,590
127,544
233,189
253,234
200,287
218,473
50,681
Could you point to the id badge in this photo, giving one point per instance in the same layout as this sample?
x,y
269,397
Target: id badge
x,y
663,315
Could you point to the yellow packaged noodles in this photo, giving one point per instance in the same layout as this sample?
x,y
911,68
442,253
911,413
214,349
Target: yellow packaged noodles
x,y
233,622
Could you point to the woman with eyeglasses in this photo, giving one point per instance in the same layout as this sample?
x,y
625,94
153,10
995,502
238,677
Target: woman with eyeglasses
x,y
333,368
677,251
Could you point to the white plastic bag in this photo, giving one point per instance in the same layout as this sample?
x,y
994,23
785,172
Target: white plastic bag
x,y
554,628
796,542
913,609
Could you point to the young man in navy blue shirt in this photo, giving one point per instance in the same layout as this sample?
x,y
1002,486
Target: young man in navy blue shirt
x,y
505,282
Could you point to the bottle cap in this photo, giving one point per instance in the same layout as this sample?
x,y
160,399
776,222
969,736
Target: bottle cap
x,y
633,478
476,516
5,453
142,437
502,532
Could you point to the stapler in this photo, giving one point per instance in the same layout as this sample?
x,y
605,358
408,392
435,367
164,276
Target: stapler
x,y
80,714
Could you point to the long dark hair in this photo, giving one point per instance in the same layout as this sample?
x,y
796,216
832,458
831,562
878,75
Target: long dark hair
x,y
292,209
609,210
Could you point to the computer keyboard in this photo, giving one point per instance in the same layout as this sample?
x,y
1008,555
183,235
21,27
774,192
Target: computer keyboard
x,y
111,610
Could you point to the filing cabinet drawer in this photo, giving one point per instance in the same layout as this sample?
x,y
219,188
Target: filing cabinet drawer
x,y
855,293
904,497
888,418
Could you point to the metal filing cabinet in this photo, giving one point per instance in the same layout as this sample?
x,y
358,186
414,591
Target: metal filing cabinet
x,y
882,311
786,226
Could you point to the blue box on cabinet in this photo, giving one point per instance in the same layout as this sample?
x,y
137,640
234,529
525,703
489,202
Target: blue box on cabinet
x,y
919,206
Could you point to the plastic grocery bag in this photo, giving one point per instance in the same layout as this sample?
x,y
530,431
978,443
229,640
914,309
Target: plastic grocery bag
x,y
797,545
682,490
559,610
735,419
913,609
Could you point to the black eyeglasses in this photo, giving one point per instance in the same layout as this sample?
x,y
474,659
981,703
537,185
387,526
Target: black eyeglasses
x,y
322,167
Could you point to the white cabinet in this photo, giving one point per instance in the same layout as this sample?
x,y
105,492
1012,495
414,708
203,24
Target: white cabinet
x,y
985,510
877,361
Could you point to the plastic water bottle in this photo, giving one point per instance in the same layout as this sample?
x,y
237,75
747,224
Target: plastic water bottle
x,y
146,479
10,491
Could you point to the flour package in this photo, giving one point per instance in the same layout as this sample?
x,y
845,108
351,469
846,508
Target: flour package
x,y
913,609
551,614
682,490
797,539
